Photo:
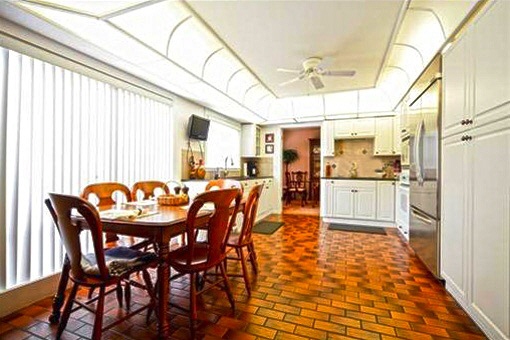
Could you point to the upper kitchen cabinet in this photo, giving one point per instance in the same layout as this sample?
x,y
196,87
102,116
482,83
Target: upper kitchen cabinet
x,y
328,138
476,72
355,128
456,86
492,58
384,142
250,140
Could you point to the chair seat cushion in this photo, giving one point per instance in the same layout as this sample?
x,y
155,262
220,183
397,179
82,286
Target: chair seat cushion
x,y
179,257
119,261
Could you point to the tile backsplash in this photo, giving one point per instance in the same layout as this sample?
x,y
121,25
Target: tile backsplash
x,y
360,151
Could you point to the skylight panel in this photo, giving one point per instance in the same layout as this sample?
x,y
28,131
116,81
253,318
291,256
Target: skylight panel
x,y
422,30
98,33
307,106
341,103
239,84
373,100
95,8
164,17
191,44
220,67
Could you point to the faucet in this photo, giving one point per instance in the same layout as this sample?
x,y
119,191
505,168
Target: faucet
x,y
225,171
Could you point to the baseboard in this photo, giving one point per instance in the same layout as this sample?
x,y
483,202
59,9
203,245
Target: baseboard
x,y
485,324
23,296
369,223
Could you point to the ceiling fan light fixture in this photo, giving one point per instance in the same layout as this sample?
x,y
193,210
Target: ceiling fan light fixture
x,y
316,81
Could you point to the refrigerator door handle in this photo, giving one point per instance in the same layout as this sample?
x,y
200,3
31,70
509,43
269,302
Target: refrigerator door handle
x,y
420,216
418,150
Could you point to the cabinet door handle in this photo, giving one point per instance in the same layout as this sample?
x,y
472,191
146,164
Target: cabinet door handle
x,y
463,122
463,138
469,138
469,121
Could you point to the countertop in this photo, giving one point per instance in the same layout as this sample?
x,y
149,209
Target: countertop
x,y
236,178
362,178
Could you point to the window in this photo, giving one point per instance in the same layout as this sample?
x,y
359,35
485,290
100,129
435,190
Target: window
x,y
223,141
59,131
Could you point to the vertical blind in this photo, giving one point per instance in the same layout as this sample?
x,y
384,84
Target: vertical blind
x,y
59,131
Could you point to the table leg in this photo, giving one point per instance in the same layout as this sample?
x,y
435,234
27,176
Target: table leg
x,y
163,290
58,299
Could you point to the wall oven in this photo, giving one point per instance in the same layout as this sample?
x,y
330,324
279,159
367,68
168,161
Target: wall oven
x,y
405,148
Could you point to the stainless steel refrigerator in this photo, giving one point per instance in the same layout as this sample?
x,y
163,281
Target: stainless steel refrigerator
x,y
424,126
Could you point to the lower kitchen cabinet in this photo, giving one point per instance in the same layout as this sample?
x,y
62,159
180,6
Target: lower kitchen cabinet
x,y
386,201
475,255
269,197
359,201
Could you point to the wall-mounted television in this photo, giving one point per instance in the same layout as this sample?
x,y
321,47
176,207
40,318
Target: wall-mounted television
x,y
198,127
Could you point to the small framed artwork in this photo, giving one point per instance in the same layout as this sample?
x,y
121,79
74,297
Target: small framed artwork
x,y
269,148
269,138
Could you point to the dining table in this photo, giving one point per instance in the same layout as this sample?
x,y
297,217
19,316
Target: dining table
x,y
159,224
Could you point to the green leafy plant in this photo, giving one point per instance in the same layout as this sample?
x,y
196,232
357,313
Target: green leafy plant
x,y
289,156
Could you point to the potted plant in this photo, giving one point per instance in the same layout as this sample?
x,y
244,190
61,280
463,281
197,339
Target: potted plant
x,y
289,156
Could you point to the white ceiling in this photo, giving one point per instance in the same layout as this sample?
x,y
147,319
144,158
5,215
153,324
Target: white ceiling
x,y
224,54
266,35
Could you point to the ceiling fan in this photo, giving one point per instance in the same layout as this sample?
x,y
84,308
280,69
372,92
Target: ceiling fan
x,y
313,71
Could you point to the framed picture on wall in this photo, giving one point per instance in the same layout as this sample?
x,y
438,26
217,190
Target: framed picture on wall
x,y
269,138
269,148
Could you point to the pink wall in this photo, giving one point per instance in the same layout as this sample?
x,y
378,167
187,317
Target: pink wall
x,y
299,139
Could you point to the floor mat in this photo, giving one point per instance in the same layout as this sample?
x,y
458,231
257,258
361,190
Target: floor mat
x,y
357,228
266,227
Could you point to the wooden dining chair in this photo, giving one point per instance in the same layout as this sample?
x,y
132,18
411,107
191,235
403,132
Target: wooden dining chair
x,y
223,184
199,256
104,192
298,185
243,240
148,189
100,269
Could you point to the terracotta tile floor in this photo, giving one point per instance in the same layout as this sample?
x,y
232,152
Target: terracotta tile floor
x,y
313,284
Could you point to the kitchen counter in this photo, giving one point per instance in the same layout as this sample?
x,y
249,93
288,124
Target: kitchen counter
x,y
235,178
362,178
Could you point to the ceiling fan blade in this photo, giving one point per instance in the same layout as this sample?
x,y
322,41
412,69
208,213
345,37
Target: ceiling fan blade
x,y
288,70
316,82
290,81
337,73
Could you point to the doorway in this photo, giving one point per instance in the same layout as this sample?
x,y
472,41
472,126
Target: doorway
x,y
301,172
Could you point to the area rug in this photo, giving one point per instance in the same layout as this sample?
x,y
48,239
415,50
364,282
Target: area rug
x,y
357,228
267,228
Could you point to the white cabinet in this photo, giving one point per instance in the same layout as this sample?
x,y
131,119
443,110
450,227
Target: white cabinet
x,y
350,199
387,136
383,143
455,213
269,197
491,223
456,88
386,201
475,237
342,201
250,140
365,201
328,138
492,58
355,128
